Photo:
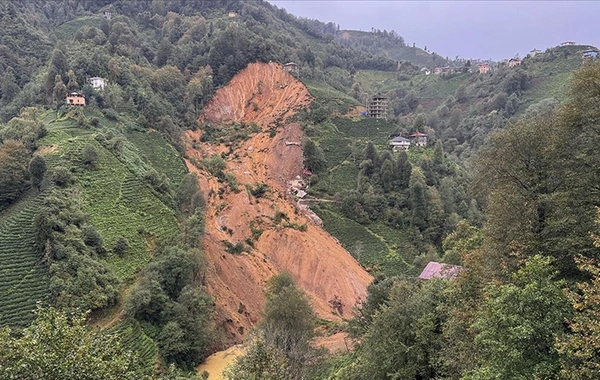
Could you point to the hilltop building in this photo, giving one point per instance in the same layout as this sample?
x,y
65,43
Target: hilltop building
x,y
440,270
107,14
534,52
399,143
513,62
97,83
589,55
75,99
377,108
484,68
419,139
567,43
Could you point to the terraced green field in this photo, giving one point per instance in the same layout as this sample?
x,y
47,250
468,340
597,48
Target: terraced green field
x,y
153,148
133,338
23,279
117,200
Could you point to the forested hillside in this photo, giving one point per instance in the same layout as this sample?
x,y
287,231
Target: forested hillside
x,y
204,196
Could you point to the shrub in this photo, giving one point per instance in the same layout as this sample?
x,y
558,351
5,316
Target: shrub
x,y
61,176
89,156
121,246
91,236
110,114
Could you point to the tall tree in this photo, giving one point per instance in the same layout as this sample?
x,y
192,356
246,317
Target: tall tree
x,y
519,323
37,169
13,170
59,91
282,349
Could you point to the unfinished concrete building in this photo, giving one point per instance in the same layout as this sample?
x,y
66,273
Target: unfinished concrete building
x,y
377,108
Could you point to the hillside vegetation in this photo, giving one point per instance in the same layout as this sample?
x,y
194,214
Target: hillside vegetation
x,y
205,196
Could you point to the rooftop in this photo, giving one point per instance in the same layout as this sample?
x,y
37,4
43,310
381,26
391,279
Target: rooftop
x,y
440,270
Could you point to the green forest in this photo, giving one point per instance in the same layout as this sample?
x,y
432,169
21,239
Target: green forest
x,y
102,271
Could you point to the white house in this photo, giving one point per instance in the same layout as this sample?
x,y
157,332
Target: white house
x,y
399,142
97,83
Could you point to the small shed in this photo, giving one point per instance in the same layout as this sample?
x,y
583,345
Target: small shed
x,y
399,143
291,67
440,270
75,99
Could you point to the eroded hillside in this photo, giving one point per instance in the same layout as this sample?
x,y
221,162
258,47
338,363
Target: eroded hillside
x,y
275,234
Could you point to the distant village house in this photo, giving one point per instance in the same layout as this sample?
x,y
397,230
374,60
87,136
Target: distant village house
x,y
75,99
440,270
437,70
97,83
484,68
419,139
567,43
291,67
513,62
108,14
399,143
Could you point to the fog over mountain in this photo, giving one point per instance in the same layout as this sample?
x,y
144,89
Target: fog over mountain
x,y
469,29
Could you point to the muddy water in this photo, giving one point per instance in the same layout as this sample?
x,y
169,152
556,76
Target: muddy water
x,y
217,362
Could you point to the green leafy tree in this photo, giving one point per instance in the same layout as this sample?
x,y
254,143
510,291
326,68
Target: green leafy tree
x,y
37,170
282,349
386,175
404,337
89,156
580,348
314,158
61,346
519,323
13,170
59,90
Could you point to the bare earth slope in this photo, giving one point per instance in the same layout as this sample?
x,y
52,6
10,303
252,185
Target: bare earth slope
x,y
268,96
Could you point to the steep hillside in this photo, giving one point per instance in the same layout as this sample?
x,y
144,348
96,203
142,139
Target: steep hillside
x,y
391,45
267,232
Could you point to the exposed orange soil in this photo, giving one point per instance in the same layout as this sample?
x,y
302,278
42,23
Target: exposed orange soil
x,y
268,96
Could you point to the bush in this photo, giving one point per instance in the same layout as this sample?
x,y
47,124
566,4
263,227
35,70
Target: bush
x,y
121,246
61,176
89,156
110,114
91,236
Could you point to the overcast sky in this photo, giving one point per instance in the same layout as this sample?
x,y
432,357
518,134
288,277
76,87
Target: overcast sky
x,y
469,29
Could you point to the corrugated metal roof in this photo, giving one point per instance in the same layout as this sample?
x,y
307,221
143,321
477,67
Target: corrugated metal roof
x,y
440,270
